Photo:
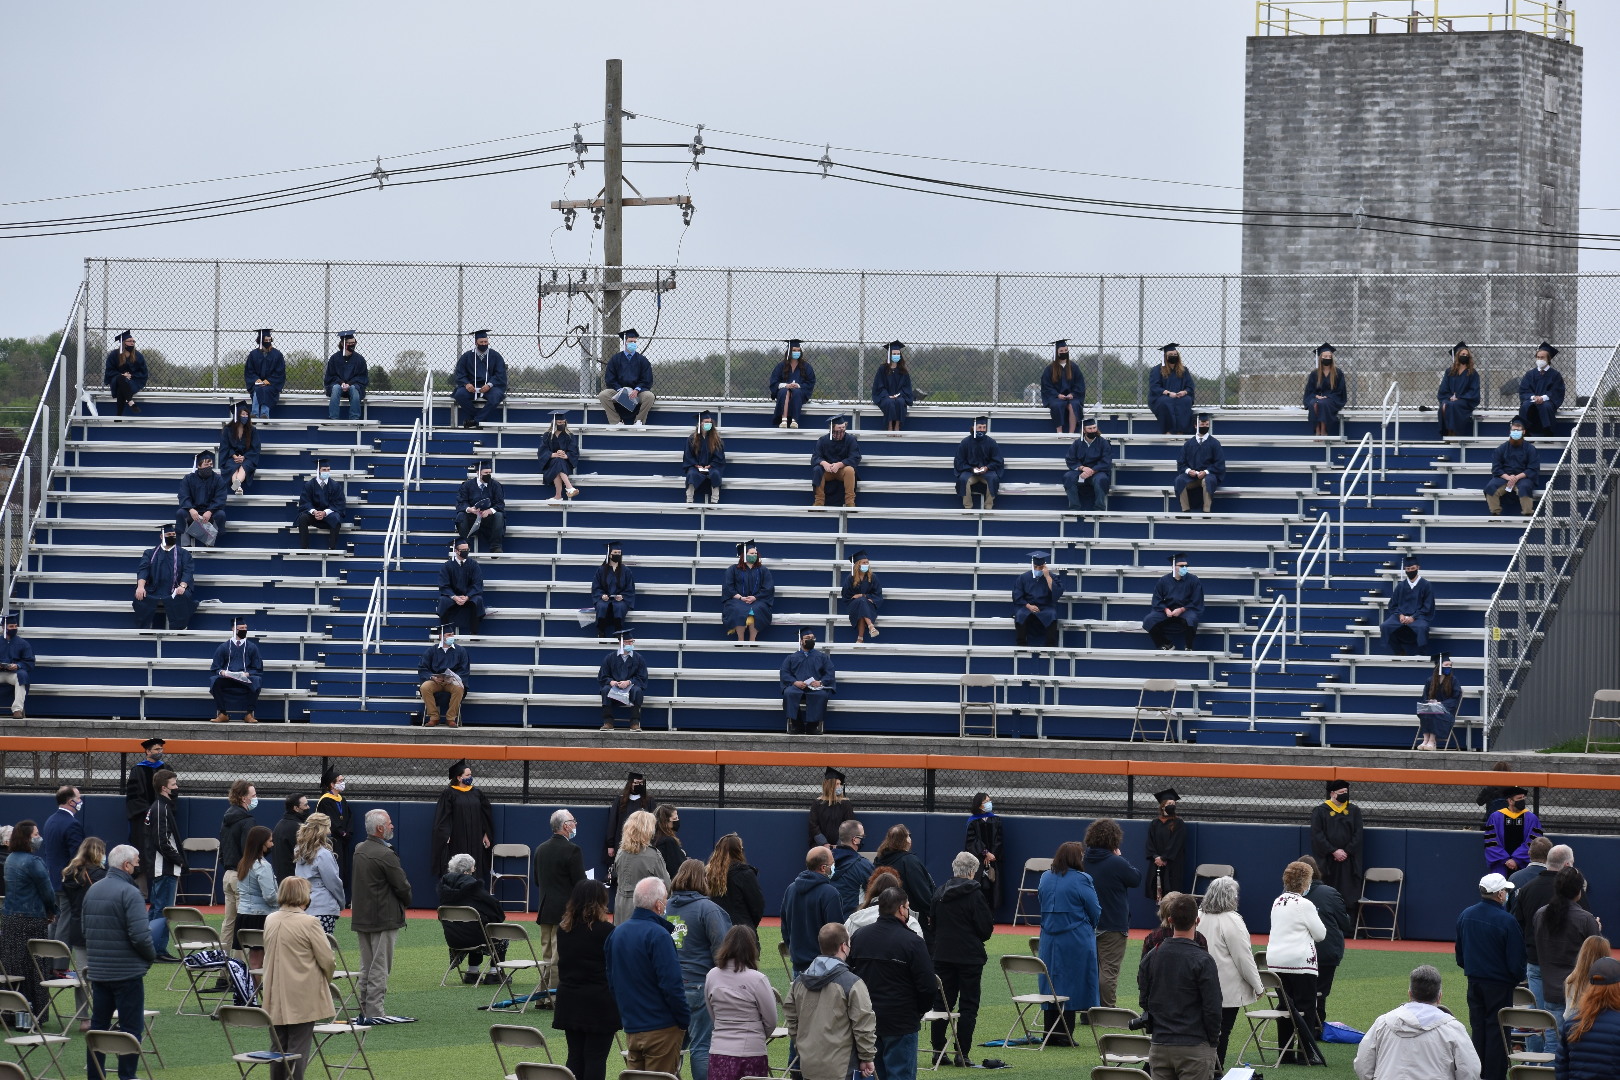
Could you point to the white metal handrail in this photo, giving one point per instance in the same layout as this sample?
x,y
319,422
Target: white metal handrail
x,y
427,403
1390,414
1351,476
376,617
1260,650
1318,545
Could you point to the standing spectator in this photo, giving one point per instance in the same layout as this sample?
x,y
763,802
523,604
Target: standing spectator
x,y
381,895
894,964
1068,942
741,1007
1420,1040
810,902
986,842
1336,837
295,810
637,859
1291,953
1559,929
645,974
1508,833
1227,937
830,810
298,967
241,801
585,1013
339,818
60,838
167,860
256,887
1336,919
559,866
896,851
314,861
463,821
1165,931
851,869
1180,988
139,790
119,952
1591,1040
1490,950
883,878
1113,877
1526,874
665,842
700,926
29,908
1166,848
86,868
459,887
734,884
1524,902
962,924
16,665
829,1014
1579,982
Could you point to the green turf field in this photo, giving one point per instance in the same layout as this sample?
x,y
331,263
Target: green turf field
x,y
451,1037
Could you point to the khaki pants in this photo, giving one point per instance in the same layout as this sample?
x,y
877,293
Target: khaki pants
x,y
430,691
21,696
227,928
655,1051
644,404
376,961
1110,955
548,954
1182,1062
846,474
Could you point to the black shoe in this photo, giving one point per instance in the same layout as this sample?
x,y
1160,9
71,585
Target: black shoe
x,y
166,958
493,978
496,549
962,1061
470,978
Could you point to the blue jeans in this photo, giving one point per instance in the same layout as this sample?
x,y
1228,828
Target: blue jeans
x,y
897,1057
259,397
699,1033
159,895
356,399
128,998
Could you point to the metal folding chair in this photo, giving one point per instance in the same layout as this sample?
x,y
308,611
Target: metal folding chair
x,y
517,1038
1381,875
185,916
111,1043
506,966
251,938
1024,966
325,1033
200,982
940,1011
1164,714
148,1036
456,913
345,983
49,955
1102,1019
787,959
1272,1008
1036,867
10,1070
1605,710
967,703
207,868
1206,872
524,856
25,1046
538,1070
1527,1020
1124,1049
777,1033
243,1018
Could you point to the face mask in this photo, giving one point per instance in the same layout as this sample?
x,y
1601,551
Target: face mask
x,y
866,567
450,641
796,354
988,806
205,471
629,650
339,786
1543,365
1411,575
325,475
808,643
1465,359
485,477
461,553
1170,809
752,558
253,803
675,825
1341,796
615,557
1090,435
570,832
241,633
465,781
1515,434
838,789
708,426
1181,571
894,359
1202,432
1327,361
168,540
11,631
630,348
241,418
1445,669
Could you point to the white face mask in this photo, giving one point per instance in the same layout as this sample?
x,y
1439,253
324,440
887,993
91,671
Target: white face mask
x,y
1542,364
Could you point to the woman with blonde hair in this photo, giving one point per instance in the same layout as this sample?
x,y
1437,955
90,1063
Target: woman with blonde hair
x,y
1296,927
87,867
1593,949
831,809
297,976
314,862
637,859
1227,936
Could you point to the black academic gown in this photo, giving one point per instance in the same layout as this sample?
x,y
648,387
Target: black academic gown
x,y
1330,832
461,577
240,656
231,444
1457,417
617,813
984,834
1206,456
461,820
163,571
1175,414
553,467
341,811
752,581
269,365
1031,588
1167,840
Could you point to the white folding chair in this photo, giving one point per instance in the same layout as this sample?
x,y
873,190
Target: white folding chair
x,y
1381,875
49,956
1270,1008
205,867
243,1018
25,1046
1526,1020
1124,1049
1206,872
523,855
1165,714
518,1038
456,913
940,1011
113,1044
506,966
1038,1001
967,703
1036,867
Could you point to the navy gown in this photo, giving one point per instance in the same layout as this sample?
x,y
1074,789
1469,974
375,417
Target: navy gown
x,y
1539,415
609,582
887,380
1457,417
550,443
1170,592
461,577
1413,599
973,452
752,581
1325,411
1175,414
162,571
1068,381
699,452
862,599
269,365
789,402
1031,588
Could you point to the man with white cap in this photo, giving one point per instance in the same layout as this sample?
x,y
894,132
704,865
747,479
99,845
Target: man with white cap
x,y
1490,950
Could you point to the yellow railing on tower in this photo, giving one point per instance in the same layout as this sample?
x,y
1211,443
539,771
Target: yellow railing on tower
x,y
1544,18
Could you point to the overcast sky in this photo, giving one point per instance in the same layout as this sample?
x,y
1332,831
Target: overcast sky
x,y
101,96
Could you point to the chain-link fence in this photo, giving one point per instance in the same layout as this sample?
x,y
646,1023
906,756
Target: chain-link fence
x,y
973,337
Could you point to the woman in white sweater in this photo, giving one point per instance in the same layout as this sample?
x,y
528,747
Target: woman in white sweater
x,y
1228,938
1291,951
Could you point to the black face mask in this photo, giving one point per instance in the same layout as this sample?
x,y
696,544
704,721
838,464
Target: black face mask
x,y
1203,431
808,643
1411,575
241,633
205,471
615,557
486,477
461,553
1341,796
1170,809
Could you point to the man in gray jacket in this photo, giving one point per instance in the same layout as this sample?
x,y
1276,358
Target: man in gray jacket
x,y
1418,1041
377,911
118,944
829,1013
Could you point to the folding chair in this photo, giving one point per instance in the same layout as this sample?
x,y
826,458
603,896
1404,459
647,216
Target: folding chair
x,y
534,1070
455,913
1523,998
519,1038
940,1011
1530,1020
1273,1007
12,1001
251,939
1013,964
345,982
48,955
244,1018
646,1074
185,916
148,1036
1530,1072
1165,714
1035,945
1036,867
10,1070
111,1043
506,968
787,958
1114,1072
1206,872
211,981
325,1033
1605,710
779,1032
1381,875
520,852
1127,1050
207,867
967,703
1101,1019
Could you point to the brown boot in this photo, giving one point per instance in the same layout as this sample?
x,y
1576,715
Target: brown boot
x,y
1493,503
432,720
453,721
1527,505
607,725
821,497
221,718
250,719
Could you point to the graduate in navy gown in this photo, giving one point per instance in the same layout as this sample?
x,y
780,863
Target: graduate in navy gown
x,y
1035,598
862,595
321,503
1091,469
164,579
479,381
835,460
704,461
481,507
747,596
1516,467
239,690
1178,605
125,373
346,377
808,679
1171,393
1441,690
1541,392
1200,468
613,592
891,387
1459,393
1063,390
624,670
461,590
1405,628
202,502
239,447
791,384
16,665
265,373
978,464
559,458
627,383
443,670
1325,392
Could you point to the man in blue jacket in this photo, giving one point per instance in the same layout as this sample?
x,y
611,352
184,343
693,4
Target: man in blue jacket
x,y
811,902
60,838
645,973
1490,950
1114,877
16,665
479,381
850,867
627,383
1405,628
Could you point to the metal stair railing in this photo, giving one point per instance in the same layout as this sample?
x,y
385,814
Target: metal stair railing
x,y
1353,474
1389,414
1318,545
1265,636
376,617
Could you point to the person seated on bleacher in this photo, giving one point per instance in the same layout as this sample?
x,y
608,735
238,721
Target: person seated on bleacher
x,y
479,381
792,382
704,461
461,590
265,373
1459,393
836,458
236,675
481,506
442,670
164,579
863,595
1541,392
16,665
1063,390
559,458
1437,708
891,387
239,446
1201,467
321,503
613,592
747,596
346,375
1325,393
202,503
1405,629
1171,393
1178,605
622,679
1035,598
1515,467
1091,469
125,373
807,678
978,462
627,383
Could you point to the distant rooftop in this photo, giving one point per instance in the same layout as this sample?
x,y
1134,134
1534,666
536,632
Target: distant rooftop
x,y
1544,18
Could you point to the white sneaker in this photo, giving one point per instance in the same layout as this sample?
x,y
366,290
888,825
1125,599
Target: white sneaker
x,y
641,423
793,423
616,425
553,501
689,496
782,424
714,496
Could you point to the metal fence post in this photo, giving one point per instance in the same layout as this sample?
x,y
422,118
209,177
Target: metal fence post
x,y
995,345
84,320
727,392
1102,296
461,309
1141,333
1225,282
326,316
860,337
215,375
